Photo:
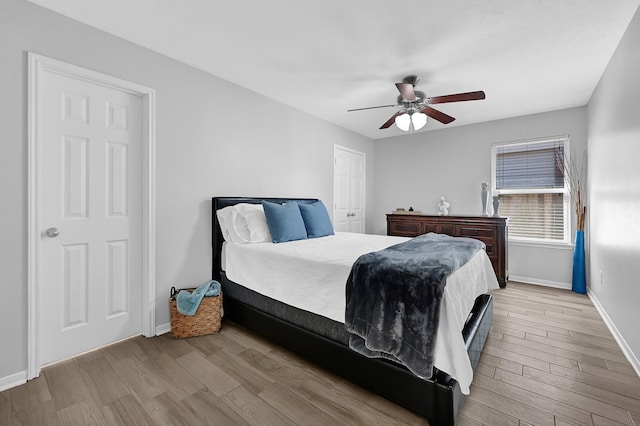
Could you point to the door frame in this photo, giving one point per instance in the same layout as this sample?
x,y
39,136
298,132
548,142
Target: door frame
x,y
37,66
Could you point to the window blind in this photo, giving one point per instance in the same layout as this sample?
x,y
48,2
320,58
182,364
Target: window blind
x,y
530,165
535,216
529,177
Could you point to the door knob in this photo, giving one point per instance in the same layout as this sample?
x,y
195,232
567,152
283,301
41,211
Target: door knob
x,y
52,232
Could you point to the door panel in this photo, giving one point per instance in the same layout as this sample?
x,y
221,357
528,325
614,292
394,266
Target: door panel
x,y
75,282
117,182
117,277
74,183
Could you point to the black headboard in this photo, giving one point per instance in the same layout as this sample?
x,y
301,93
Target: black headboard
x,y
216,234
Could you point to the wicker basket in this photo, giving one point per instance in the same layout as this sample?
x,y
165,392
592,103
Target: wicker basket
x,y
205,321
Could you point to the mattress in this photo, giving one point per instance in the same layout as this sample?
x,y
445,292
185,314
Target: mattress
x,y
311,275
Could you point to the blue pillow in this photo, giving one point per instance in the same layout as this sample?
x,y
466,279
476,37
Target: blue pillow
x,y
284,221
316,219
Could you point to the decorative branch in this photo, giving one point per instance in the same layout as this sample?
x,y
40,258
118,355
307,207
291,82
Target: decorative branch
x,y
576,176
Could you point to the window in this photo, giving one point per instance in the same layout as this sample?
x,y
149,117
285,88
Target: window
x,y
529,178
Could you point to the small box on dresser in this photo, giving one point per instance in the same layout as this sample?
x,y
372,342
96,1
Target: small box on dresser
x,y
489,229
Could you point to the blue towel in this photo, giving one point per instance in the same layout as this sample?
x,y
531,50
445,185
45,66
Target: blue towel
x,y
188,303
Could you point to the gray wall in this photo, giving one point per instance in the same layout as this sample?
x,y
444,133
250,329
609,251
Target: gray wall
x,y
614,189
415,170
204,149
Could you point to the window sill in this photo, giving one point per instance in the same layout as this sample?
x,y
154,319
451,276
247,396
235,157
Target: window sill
x,y
541,244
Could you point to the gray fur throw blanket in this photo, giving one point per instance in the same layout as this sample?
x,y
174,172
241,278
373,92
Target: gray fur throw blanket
x,y
393,298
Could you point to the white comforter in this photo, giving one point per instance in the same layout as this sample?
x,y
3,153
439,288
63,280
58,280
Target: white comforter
x,y
311,275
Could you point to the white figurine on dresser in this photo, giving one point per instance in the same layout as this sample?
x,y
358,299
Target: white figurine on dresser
x,y
443,207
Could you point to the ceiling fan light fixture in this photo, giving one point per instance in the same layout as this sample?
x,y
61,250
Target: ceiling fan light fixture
x,y
418,119
403,121
415,106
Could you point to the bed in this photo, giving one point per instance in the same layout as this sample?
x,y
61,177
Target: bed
x,y
323,339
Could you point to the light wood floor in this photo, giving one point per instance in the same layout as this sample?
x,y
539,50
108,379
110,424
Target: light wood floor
x,y
549,360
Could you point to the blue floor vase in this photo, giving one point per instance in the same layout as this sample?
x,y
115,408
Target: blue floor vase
x,y
579,278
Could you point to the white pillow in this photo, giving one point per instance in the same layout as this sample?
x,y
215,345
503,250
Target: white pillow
x,y
251,223
244,223
225,219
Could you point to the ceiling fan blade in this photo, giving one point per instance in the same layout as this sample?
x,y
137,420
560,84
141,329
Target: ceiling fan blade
x,y
361,109
459,97
390,121
406,90
437,115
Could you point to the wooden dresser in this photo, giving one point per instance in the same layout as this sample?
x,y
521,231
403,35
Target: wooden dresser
x,y
490,230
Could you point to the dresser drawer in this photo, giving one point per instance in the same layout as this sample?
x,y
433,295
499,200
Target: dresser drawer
x,y
491,246
474,232
405,228
438,228
431,227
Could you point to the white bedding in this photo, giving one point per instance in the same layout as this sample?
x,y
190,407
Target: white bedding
x,y
311,275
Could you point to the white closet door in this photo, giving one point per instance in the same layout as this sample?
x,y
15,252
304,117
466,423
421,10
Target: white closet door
x,y
90,262
348,190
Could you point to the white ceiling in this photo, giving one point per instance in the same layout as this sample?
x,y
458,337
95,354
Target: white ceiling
x,y
326,56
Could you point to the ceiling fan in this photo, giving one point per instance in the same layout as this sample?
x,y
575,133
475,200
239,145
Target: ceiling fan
x,y
415,105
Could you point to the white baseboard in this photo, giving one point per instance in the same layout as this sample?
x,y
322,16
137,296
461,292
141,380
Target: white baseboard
x,y
13,380
536,281
626,350
163,328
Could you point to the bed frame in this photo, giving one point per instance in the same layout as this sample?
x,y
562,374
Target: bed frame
x,y
438,399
